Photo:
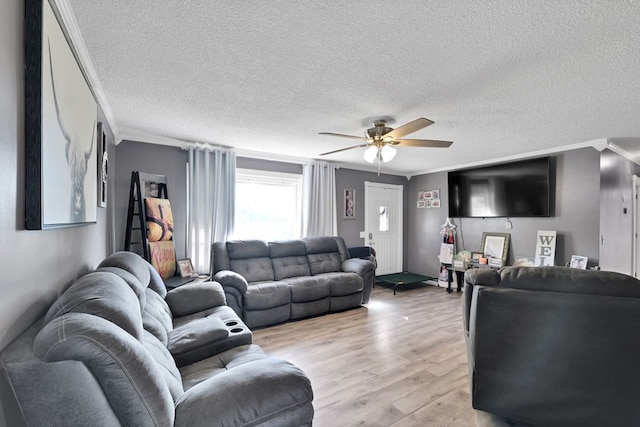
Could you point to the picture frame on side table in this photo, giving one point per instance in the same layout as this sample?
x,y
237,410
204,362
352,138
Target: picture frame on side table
x,y
578,261
185,268
349,209
61,117
496,245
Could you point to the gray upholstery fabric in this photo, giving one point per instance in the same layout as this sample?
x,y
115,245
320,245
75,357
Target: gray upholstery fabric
x,y
102,294
85,369
156,283
131,379
546,347
194,297
165,361
308,288
232,279
130,262
324,263
266,295
131,280
286,386
186,340
313,268
239,249
253,269
290,266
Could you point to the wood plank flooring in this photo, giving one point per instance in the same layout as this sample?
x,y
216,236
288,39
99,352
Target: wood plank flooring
x,y
399,361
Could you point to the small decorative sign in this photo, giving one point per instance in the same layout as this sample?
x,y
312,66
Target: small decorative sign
x,y
545,248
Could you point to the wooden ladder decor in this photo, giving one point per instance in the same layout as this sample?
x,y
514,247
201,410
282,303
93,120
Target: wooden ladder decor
x,y
142,185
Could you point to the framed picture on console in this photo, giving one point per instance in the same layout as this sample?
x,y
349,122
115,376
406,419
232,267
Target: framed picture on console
x,y
185,268
496,245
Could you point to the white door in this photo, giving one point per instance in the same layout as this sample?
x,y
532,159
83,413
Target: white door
x,y
383,225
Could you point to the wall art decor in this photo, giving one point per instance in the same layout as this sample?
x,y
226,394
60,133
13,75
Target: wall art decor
x,y
349,210
61,127
545,248
103,167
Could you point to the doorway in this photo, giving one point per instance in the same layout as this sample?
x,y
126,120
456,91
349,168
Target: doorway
x,y
383,225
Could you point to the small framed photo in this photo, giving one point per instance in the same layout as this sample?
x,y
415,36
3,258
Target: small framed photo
x,y
422,204
186,268
578,261
434,203
475,256
524,261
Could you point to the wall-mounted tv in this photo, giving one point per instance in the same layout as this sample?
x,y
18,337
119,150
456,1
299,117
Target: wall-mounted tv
x,y
516,189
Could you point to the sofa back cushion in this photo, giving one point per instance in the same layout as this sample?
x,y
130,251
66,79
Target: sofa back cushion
x,y
102,294
131,379
288,259
157,316
323,255
570,280
131,262
250,259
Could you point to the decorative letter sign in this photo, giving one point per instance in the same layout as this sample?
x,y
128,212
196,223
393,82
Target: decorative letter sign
x,y
545,248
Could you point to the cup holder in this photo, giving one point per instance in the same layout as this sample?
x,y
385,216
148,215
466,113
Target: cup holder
x,y
236,330
231,323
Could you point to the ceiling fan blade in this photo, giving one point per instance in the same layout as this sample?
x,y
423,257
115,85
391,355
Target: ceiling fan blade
x,y
408,128
344,149
342,135
422,143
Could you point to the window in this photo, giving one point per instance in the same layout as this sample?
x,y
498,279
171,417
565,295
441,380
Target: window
x,y
268,205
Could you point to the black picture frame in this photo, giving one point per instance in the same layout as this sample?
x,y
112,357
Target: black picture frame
x,y
60,126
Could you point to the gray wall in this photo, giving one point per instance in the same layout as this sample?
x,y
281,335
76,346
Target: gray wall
x,y
576,217
35,265
616,211
155,159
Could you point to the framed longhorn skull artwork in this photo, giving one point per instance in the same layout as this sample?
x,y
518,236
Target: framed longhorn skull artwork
x,y
61,113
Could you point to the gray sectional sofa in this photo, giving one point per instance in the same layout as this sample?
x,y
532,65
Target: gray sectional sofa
x,y
272,282
117,349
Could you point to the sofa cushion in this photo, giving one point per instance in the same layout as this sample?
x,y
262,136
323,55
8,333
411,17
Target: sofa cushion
x,y
242,249
158,309
101,294
342,283
264,295
131,280
164,359
324,262
308,288
278,391
287,248
253,269
291,266
129,376
131,262
570,280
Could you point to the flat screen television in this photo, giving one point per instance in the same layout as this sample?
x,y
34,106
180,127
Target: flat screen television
x,y
516,189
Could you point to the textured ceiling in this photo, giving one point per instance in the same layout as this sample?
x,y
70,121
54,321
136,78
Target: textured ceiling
x,y
500,78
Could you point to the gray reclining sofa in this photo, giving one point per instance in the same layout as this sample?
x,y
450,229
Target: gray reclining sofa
x,y
554,346
116,349
272,282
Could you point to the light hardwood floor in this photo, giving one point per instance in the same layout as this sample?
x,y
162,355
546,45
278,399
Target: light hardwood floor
x,y
399,361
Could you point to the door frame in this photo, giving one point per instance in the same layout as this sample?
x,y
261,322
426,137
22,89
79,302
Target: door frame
x,y
399,222
635,210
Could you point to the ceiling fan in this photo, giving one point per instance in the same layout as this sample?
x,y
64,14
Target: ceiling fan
x,y
381,140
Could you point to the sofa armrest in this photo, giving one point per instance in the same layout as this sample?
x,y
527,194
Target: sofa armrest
x,y
231,279
358,266
186,340
476,277
194,297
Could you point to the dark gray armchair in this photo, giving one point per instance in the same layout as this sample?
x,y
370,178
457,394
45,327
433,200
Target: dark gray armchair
x,y
554,346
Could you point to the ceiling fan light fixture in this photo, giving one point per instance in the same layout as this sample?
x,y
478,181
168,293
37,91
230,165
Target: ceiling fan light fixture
x,y
371,153
387,153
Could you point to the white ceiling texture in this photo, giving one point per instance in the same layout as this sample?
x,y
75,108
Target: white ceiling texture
x,y
502,79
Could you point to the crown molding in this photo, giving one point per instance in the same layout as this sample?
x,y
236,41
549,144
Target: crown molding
x,y
65,13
